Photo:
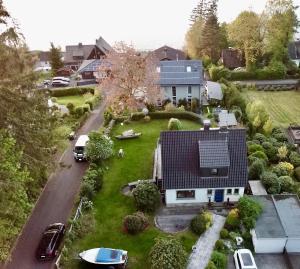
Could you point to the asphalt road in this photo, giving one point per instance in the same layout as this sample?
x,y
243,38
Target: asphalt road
x,y
55,203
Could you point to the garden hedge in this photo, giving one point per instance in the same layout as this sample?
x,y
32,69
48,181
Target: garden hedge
x,y
176,114
71,91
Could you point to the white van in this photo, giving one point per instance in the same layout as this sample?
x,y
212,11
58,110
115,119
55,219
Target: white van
x,y
243,259
79,149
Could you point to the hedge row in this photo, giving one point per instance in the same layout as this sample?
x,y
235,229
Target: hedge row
x,y
71,91
176,114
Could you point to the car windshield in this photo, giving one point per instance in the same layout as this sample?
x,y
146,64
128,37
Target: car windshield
x,y
247,260
46,240
79,149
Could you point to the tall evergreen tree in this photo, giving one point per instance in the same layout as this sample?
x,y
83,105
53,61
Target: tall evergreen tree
x,y
55,59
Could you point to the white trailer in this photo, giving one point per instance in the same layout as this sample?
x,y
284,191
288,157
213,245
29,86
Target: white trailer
x,y
79,149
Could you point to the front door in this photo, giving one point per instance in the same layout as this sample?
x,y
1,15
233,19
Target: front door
x,y
219,196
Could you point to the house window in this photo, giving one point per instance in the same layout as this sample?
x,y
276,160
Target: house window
x,y
236,191
188,69
174,95
229,191
185,194
214,171
189,95
209,192
158,69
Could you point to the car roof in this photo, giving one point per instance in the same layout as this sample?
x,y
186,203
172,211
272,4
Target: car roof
x,y
247,259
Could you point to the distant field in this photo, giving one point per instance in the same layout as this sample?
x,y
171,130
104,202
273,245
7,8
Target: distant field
x,y
283,107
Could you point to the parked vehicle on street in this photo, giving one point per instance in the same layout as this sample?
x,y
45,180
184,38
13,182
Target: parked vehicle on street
x,y
116,258
60,82
243,259
79,149
50,242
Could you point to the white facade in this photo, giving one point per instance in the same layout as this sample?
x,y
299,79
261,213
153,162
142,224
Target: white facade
x,y
203,195
293,245
183,92
268,245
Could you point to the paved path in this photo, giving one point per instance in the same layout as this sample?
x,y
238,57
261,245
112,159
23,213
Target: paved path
x,y
55,203
205,244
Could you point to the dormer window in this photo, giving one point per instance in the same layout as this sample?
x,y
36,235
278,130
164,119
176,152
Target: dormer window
x,y
188,69
214,171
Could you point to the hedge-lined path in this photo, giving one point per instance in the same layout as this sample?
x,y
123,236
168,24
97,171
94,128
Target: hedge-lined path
x,y
55,202
205,244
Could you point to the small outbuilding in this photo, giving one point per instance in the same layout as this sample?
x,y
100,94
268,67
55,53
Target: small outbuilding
x,y
278,227
227,119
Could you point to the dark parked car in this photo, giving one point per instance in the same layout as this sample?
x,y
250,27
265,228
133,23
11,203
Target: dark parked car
x,y
50,241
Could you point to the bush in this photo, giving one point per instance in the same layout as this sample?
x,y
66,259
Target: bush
x,y
147,119
170,107
260,137
95,175
270,151
256,169
71,91
88,189
271,182
218,72
135,223
242,75
295,159
167,253
86,108
287,184
79,111
195,104
71,107
297,173
211,265
177,114
99,147
174,124
146,196
137,116
92,101
249,210
260,155
219,259
201,222
219,245
54,99
150,107
224,234
281,137
283,169
233,220
254,147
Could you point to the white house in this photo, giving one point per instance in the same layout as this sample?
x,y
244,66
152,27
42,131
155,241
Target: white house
x,y
278,227
208,165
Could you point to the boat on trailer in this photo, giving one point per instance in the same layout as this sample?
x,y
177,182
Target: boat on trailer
x,y
117,258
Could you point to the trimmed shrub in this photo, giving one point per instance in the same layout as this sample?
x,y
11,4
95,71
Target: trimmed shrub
x,y
287,184
249,210
270,151
88,189
150,107
219,245
167,253
146,196
211,265
201,223
93,101
170,107
260,137
232,220
297,173
218,72
135,223
254,147
147,119
176,114
86,108
224,234
71,91
94,174
174,124
259,155
137,116
79,111
256,169
271,182
283,169
281,137
71,107
295,159
219,259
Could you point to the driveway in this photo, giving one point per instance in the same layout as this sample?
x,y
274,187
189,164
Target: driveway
x,y
55,203
264,261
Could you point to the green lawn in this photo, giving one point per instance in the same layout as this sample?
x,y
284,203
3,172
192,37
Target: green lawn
x,y
283,107
110,206
77,100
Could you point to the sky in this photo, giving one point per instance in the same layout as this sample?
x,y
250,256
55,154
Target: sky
x,y
147,24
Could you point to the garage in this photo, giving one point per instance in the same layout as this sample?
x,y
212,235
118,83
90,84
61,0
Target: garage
x,y
278,227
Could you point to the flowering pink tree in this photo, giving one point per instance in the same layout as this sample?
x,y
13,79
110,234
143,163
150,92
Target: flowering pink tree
x,y
128,79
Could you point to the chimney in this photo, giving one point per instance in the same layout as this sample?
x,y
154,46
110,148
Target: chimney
x,y
206,125
80,45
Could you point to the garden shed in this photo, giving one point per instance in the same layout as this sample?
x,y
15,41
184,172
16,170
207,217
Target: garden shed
x,y
278,227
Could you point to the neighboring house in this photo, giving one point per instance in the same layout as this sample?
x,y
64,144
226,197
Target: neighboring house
x,y
232,58
43,62
294,134
64,72
167,53
278,228
209,165
181,80
227,119
76,54
89,69
294,52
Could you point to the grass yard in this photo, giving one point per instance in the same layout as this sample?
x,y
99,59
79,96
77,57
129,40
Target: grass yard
x,y
111,206
283,106
77,100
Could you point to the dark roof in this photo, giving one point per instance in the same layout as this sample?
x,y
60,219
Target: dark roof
x,y
167,53
294,50
44,56
268,224
232,58
175,73
213,153
180,159
227,119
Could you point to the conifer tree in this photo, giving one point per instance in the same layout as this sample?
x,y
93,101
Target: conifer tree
x,y
55,59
